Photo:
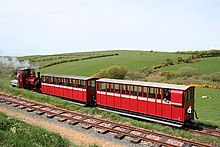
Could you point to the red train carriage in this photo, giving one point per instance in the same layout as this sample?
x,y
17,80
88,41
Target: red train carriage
x,y
76,88
163,103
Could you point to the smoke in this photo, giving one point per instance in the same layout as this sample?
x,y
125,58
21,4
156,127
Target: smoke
x,y
14,62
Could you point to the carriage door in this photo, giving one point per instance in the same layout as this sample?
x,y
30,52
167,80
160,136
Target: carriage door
x,y
91,91
177,105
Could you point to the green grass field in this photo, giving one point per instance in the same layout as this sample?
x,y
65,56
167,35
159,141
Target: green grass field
x,y
204,66
132,60
208,109
14,132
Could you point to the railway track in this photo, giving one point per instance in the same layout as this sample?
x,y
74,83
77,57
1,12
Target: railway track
x,y
207,131
136,135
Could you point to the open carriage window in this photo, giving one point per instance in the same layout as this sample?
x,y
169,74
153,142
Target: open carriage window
x,y
91,84
190,94
43,79
61,81
51,80
67,82
56,81
133,90
145,91
167,94
117,88
124,89
152,92
140,91
103,87
159,91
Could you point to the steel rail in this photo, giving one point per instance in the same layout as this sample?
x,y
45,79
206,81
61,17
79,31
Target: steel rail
x,y
36,106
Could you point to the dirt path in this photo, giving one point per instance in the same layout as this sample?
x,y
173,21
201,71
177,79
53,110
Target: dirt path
x,y
74,136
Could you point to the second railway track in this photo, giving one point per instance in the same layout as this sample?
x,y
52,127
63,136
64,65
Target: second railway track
x,y
104,126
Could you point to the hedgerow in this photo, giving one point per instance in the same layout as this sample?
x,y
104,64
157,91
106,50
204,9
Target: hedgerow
x,y
78,59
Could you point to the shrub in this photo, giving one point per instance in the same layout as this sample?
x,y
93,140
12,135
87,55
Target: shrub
x,y
205,77
168,74
192,80
185,72
169,61
114,72
135,76
148,71
215,77
156,79
179,59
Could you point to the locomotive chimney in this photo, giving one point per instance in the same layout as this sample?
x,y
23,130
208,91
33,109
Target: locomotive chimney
x,y
38,75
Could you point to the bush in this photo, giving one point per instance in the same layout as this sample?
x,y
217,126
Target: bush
x,y
168,74
215,77
169,61
205,77
113,72
156,79
185,72
135,76
148,71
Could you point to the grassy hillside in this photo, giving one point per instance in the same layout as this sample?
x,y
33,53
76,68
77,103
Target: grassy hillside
x,y
204,66
133,60
208,109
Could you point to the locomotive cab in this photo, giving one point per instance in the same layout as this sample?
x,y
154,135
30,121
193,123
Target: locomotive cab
x,y
27,79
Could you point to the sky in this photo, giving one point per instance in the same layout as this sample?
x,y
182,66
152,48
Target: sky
x,y
30,27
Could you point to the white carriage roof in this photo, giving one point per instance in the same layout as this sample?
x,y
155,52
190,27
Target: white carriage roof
x,y
68,76
147,84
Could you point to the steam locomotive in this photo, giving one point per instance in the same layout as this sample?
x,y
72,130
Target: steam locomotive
x,y
168,104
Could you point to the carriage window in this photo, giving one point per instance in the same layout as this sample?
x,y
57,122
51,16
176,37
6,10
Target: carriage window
x,y
112,87
133,90
152,92
70,82
99,86
76,83
190,94
144,91
73,82
140,90
60,81
80,83
47,79
103,87
167,94
56,81
66,82
51,80
43,79
159,91
83,84
91,84
117,88
123,91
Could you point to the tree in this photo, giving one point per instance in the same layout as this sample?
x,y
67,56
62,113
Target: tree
x,y
185,72
113,72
